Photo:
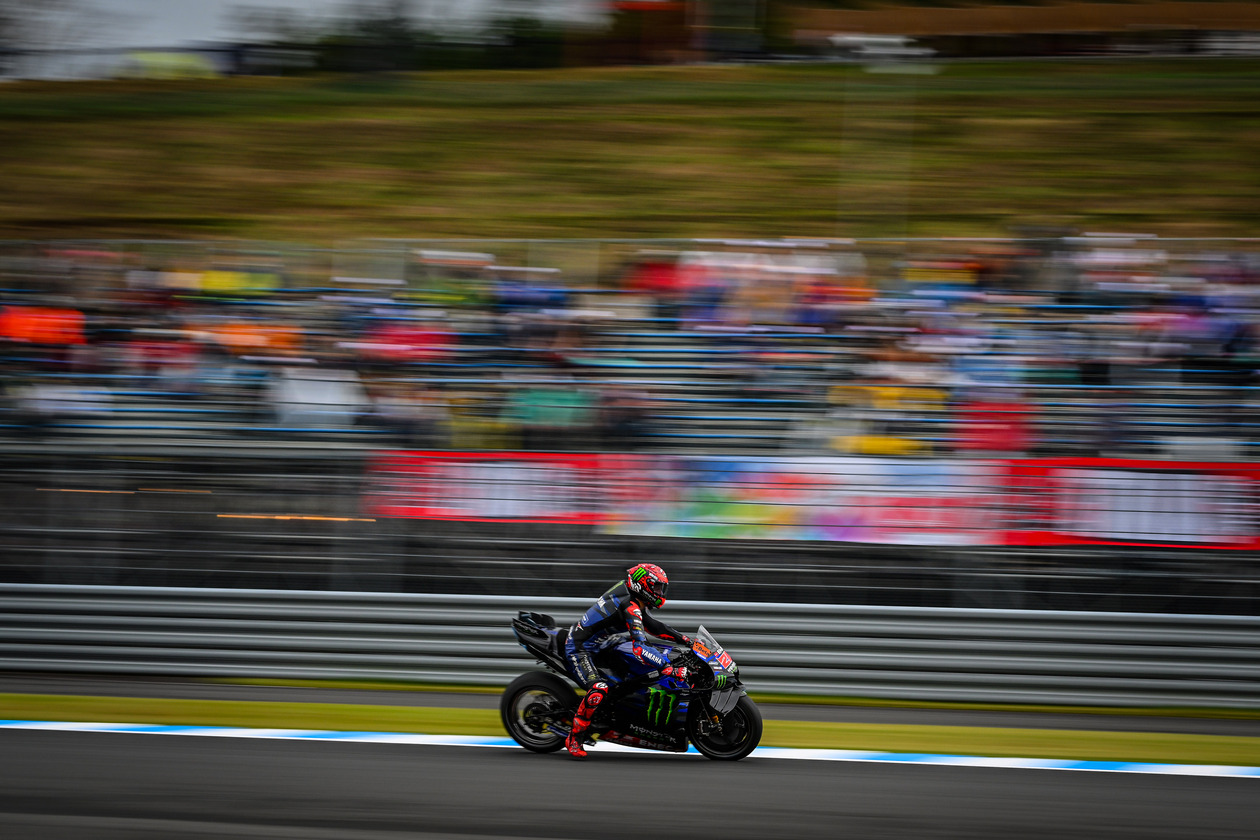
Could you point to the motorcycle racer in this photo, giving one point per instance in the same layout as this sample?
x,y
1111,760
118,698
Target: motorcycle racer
x,y
624,608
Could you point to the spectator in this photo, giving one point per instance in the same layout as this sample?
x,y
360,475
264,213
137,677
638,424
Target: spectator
x,y
415,416
658,276
552,414
624,419
994,423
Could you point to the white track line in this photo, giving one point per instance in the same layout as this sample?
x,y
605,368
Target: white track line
x,y
781,753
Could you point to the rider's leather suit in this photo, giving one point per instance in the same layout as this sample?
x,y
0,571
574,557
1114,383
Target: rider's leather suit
x,y
615,612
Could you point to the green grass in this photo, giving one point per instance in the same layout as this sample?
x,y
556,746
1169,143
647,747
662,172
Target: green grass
x,y
767,698
1032,743
336,716
358,685
1164,146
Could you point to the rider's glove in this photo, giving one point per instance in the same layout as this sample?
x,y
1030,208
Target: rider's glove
x,y
677,672
687,640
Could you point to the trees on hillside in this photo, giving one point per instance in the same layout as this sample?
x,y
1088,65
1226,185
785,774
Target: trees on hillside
x,y
48,25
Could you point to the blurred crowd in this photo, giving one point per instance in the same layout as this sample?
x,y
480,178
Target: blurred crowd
x,y
1085,345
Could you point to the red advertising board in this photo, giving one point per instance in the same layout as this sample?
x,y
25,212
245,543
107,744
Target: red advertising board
x,y
1112,501
488,486
1025,502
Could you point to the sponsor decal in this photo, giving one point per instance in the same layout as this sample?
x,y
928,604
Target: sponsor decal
x,y
661,706
650,740
700,648
724,659
654,657
721,681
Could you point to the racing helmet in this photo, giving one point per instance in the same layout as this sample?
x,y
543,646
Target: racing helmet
x,y
647,583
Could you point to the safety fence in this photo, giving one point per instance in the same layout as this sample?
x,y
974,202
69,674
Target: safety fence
x,y
1078,534
1008,656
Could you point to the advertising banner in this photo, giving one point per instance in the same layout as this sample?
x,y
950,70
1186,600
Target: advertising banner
x,y
868,500
488,487
891,501
1108,501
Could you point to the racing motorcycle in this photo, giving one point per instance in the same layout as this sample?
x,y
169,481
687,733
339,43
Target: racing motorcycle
x,y
710,709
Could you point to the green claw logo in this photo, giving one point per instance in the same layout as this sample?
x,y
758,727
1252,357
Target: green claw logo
x,y
661,705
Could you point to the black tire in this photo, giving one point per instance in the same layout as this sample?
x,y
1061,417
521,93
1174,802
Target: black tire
x,y
532,704
739,735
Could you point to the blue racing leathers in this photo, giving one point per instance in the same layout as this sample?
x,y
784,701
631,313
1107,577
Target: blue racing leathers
x,y
616,612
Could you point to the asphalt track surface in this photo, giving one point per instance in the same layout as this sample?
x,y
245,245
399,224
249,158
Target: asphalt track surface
x,y
104,786
58,785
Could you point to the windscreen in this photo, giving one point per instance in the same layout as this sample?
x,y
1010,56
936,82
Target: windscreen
x,y
707,646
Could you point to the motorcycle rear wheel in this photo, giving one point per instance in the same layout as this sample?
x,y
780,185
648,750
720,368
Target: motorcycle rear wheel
x,y
739,735
533,705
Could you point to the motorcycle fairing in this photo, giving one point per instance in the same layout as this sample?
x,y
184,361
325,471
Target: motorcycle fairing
x,y
615,737
654,712
654,718
724,668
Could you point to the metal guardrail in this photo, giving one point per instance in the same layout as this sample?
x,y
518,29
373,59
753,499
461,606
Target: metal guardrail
x,y
1011,656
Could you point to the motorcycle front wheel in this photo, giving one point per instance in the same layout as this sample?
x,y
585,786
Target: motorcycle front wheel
x,y
534,706
733,737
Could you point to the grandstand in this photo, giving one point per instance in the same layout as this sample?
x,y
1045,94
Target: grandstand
x,y
873,363
161,432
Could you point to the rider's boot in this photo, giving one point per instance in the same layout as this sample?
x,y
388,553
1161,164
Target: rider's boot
x,y
595,695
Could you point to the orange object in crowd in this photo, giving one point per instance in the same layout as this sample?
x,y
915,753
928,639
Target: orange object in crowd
x,y
243,337
42,325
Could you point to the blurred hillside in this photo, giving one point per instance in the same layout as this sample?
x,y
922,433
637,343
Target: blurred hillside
x,y
978,149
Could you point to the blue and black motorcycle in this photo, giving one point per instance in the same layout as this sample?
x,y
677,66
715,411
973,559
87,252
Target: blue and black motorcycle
x,y
710,710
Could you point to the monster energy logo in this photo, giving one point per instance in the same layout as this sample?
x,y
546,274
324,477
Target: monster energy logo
x,y
661,705
639,574
721,681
